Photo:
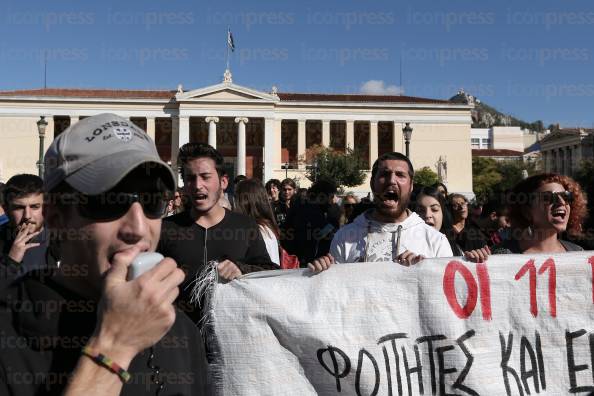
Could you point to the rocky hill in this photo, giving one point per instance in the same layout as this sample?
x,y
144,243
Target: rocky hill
x,y
485,116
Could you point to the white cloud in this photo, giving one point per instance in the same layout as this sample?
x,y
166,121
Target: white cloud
x,y
378,87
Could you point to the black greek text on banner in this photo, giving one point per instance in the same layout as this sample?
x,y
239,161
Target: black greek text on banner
x,y
515,325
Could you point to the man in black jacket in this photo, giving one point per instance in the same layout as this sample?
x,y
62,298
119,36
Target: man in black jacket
x,y
107,191
206,231
311,225
24,240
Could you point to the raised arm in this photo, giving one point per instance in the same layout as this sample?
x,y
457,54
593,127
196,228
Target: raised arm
x,y
133,316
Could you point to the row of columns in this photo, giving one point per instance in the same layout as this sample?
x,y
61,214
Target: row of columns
x,y
561,160
350,137
184,137
301,140
150,124
182,126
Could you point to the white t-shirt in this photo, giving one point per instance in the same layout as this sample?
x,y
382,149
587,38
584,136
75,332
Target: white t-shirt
x,y
368,240
271,244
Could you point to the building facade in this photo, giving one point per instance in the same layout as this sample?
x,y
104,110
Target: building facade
x,y
260,134
563,150
502,138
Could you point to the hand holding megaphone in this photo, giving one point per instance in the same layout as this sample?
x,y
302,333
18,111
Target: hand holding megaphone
x,y
135,314
142,263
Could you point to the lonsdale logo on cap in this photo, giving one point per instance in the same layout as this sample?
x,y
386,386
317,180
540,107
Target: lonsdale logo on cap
x,y
123,133
120,129
96,153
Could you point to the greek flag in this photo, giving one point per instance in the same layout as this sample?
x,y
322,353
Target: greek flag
x,y
230,42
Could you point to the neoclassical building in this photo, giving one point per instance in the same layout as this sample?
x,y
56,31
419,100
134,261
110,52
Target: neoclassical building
x,y
260,134
563,150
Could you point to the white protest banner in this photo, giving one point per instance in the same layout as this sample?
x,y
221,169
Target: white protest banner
x,y
516,325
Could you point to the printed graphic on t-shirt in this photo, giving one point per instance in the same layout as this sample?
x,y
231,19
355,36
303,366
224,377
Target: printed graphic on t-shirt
x,y
382,248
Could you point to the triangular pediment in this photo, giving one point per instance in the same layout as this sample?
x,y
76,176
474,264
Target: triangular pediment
x,y
225,92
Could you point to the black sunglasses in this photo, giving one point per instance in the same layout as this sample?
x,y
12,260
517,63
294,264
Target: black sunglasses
x,y
113,205
549,197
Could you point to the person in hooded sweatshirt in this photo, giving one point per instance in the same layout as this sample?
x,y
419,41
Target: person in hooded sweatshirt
x,y
389,231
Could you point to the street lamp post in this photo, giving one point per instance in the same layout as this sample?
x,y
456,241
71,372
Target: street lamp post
x,y
314,168
285,166
41,125
407,132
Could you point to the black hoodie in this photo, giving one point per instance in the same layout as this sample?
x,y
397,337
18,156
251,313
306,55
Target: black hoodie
x,y
44,326
236,238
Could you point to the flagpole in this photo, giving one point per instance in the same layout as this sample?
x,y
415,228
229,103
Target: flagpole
x,y
401,87
228,32
227,78
44,69
227,57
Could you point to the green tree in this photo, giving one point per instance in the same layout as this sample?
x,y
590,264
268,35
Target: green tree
x,y
485,177
491,177
538,126
344,169
425,177
511,174
585,173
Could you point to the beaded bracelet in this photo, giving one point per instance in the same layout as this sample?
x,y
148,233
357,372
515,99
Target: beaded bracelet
x,y
106,362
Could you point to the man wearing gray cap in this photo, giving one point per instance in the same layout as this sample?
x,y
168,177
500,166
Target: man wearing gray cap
x,y
84,328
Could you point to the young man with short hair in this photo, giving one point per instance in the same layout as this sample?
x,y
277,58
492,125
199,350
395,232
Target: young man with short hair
x,y
24,240
84,328
208,232
390,231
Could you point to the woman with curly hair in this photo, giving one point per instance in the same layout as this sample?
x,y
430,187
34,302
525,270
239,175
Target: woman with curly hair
x,y
541,208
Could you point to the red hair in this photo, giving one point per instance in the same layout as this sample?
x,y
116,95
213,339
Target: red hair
x,y
522,195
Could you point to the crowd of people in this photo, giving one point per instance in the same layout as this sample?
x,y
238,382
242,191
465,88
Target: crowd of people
x,y
72,322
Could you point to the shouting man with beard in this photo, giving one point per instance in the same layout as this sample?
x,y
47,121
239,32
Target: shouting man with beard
x,y
390,231
206,231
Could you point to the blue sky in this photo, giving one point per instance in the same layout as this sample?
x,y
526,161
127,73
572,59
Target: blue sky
x,y
533,59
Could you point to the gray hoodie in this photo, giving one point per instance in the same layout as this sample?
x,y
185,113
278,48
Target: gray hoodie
x,y
366,239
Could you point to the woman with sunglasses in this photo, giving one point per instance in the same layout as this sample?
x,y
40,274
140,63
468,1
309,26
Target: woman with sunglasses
x,y
541,208
465,234
347,208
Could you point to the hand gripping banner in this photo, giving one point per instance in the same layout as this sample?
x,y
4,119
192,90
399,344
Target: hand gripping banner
x,y
515,325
